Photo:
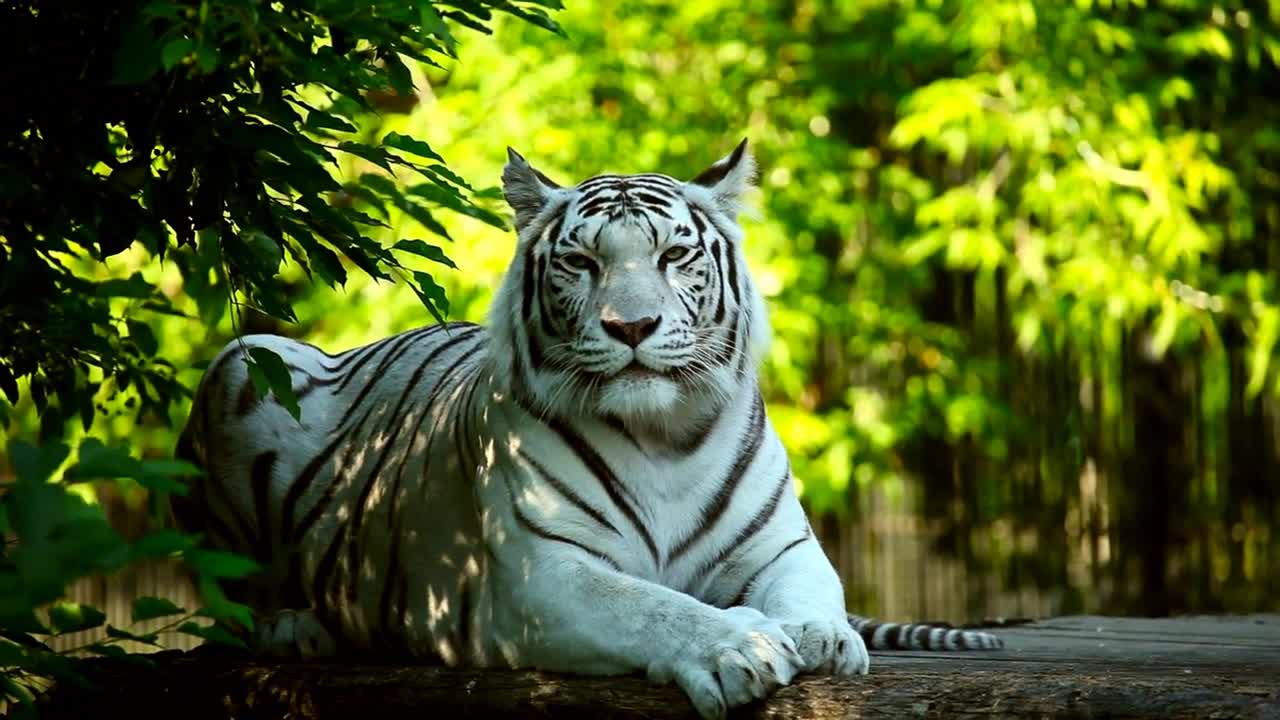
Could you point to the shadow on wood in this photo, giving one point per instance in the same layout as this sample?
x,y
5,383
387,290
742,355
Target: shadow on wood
x,y
1065,667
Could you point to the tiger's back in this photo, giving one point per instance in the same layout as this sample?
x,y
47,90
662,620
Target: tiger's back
x,y
321,503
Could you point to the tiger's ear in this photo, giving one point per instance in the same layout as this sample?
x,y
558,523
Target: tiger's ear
x,y
527,190
728,179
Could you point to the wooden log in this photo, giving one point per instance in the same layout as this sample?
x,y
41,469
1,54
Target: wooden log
x,y
1067,667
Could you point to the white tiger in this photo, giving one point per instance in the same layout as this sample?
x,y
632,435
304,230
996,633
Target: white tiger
x,y
590,485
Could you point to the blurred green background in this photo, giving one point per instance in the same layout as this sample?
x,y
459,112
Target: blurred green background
x,y
1020,258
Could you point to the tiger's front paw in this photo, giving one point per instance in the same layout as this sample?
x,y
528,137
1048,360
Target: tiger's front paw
x,y
295,635
829,646
748,658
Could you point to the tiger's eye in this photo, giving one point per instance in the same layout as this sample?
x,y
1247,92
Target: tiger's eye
x,y
579,261
675,253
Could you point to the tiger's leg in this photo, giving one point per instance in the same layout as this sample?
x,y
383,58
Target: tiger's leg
x,y
566,611
800,589
294,635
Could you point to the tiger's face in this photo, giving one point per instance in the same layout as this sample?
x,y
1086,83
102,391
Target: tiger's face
x,y
629,296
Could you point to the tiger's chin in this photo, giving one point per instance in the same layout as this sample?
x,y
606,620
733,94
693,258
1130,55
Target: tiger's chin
x,y
637,396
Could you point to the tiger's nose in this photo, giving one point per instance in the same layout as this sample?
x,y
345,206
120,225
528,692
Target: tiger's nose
x,y
631,332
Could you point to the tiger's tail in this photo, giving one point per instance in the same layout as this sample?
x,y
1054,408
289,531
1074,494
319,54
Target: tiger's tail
x,y
921,636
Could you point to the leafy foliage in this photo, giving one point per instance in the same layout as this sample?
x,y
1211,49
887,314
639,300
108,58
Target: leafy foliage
x,y
204,139
57,537
207,133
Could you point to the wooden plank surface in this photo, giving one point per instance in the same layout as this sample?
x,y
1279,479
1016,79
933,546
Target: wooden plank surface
x,y
1212,667
1190,643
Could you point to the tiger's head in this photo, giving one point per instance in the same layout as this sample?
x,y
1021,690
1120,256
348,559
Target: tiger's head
x,y
629,297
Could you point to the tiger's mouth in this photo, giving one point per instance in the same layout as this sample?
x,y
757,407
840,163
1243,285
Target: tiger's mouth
x,y
637,371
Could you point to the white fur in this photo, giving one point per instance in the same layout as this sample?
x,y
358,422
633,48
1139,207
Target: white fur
x,y
461,480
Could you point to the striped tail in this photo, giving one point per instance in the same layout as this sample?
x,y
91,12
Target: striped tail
x,y
920,636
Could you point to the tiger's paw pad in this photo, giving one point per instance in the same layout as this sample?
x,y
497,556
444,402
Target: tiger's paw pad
x,y
829,647
295,635
750,659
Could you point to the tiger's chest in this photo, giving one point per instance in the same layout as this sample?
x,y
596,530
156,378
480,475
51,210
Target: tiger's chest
x,y
671,510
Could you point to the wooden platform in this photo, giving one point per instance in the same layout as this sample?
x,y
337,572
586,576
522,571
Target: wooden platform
x,y
1078,667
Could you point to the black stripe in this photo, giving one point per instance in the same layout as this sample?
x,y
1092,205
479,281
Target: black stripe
x,y
357,515
731,256
360,506
392,571
868,633
533,344
464,620
519,383
293,532
715,255
441,383
653,231
392,356
741,597
324,573
395,341
920,636
246,399
598,467
568,493
696,438
402,602
541,286
725,353
656,209
260,483
667,188
603,178
529,525
762,518
308,474
462,431
615,423
715,509
717,172
601,204
384,603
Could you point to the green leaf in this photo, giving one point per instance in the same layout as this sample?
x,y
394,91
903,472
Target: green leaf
x,y
118,634
16,690
426,250
65,617
136,59
36,464
377,156
135,286
321,120
219,564
106,649
9,384
162,543
97,462
147,608
207,58
269,371
212,633
422,215
411,145
175,51
23,621
24,639
431,295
